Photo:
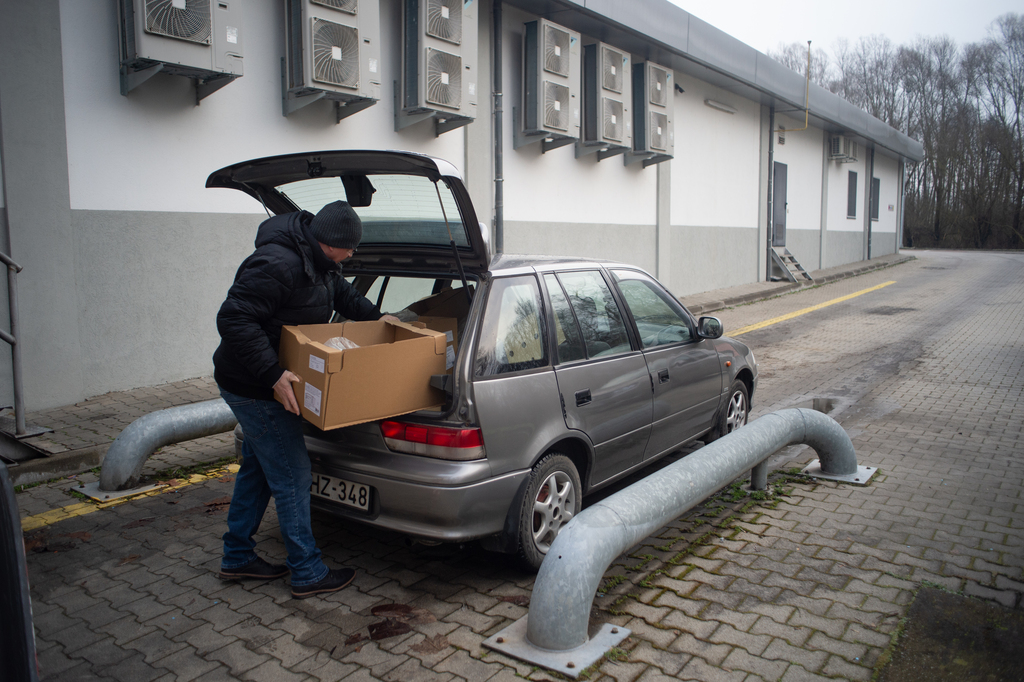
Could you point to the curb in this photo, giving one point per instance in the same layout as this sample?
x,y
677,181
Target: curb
x,y
58,465
779,288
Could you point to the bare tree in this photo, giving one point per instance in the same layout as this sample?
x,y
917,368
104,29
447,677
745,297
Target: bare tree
x,y
794,56
965,104
1003,102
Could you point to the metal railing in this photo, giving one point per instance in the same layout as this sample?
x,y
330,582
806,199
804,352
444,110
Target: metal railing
x,y
12,294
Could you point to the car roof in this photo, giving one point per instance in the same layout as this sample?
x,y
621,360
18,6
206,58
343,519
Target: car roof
x,y
511,263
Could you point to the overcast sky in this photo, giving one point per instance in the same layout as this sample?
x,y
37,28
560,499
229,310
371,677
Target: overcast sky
x,y
764,24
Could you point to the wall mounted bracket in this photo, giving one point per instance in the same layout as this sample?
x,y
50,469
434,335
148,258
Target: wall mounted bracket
x,y
443,122
548,140
297,98
132,78
603,151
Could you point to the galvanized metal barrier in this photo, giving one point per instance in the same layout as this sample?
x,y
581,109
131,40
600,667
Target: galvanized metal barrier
x,y
122,465
554,632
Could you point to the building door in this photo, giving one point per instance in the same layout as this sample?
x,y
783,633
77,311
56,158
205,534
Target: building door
x,y
779,205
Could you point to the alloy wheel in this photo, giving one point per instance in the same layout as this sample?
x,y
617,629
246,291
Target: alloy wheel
x,y
554,507
737,413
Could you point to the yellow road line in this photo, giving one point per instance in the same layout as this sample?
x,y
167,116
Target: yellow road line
x,y
81,508
804,311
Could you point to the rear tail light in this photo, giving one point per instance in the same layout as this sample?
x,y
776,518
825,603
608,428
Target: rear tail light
x,y
440,442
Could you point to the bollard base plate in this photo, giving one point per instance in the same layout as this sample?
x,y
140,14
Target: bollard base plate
x,y
512,642
862,476
8,425
93,491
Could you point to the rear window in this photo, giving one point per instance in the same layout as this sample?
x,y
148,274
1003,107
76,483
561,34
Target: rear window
x,y
404,209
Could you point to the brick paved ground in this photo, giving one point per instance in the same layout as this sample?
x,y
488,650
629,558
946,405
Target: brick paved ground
x,y
926,376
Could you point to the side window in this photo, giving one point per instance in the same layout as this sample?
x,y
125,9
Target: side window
x,y
876,188
851,195
604,332
567,333
512,336
659,319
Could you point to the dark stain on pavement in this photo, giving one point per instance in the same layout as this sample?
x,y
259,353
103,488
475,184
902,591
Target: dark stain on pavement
x,y
889,310
952,637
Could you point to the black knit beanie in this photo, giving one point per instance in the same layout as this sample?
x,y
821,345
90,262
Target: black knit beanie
x,y
337,225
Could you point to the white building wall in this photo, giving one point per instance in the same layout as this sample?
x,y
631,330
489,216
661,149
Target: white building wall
x,y
154,250
884,230
844,235
715,179
802,152
128,256
557,204
155,147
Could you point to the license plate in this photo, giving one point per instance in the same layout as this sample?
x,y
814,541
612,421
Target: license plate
x,y
339,490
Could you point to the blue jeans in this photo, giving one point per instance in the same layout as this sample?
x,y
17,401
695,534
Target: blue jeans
x,y
274,463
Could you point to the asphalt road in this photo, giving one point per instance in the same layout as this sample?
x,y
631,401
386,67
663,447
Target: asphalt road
x,y
936,309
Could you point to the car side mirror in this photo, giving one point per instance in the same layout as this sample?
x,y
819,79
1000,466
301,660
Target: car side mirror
x,y
709,328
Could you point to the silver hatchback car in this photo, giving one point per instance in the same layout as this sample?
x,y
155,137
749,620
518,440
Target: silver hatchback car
x,y
566,374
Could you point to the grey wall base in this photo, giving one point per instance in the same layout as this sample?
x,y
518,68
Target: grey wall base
x,y
805,245
843,247
134,319
883,243
707,258
633,244
701,258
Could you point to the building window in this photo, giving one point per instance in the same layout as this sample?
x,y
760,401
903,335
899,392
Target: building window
x,y
851,196
876,187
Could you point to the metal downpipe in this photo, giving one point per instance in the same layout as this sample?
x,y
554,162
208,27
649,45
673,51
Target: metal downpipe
x,y
771,195
499,163
122,465
572,571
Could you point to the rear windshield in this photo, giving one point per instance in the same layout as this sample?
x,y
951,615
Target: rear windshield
x,y
404,209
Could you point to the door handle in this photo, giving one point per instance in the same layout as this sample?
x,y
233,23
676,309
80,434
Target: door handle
x,y
583,397
663,376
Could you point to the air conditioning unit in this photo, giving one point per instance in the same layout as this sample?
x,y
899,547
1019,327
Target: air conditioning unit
x,y
607,127
197,39
842,149
653,113
332,51
551,85
439,64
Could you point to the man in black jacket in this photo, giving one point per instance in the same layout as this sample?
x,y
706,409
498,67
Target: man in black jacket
x,y
292,278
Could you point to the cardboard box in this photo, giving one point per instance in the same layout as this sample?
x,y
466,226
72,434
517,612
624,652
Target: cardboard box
x,y
388,375
448,303
449,327
444,311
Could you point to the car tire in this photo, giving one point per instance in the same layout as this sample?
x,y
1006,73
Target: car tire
x,y
734,414
553,496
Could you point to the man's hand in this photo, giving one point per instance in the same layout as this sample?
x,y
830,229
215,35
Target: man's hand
x,y
284,392
390,318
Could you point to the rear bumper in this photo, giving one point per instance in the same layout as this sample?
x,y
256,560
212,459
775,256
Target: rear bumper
x,y
450,513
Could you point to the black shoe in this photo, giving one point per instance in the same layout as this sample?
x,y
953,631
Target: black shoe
x,y
336,579
257,569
